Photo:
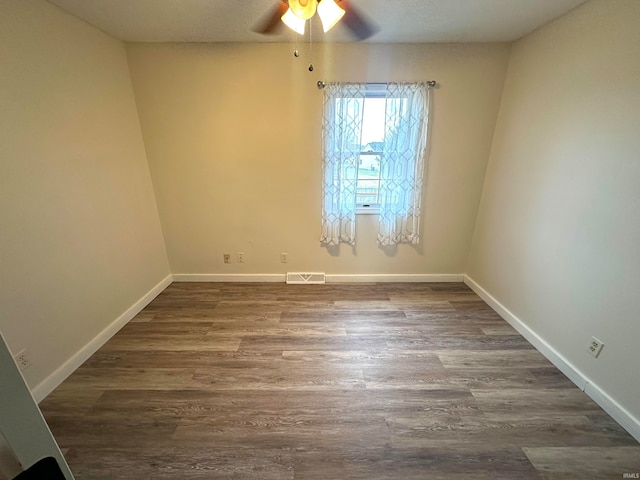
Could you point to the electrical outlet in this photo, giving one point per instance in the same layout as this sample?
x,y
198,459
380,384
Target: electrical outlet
x,y
227,258
240,257
283,257
595,347
22,360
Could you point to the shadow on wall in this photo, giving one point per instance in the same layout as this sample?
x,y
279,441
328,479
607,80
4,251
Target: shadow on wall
x,y
9,465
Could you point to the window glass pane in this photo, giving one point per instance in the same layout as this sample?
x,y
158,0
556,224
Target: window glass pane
x,y
367,191
373,121
372,144
369,166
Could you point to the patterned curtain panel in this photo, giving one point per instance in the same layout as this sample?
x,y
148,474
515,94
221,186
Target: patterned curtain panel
x,y
342,132
403,163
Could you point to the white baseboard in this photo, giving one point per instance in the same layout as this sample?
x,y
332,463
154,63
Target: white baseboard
x,y
229,277
584,383
401,278
45,387
331,278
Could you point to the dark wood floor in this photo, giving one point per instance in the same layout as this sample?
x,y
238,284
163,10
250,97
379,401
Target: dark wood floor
x,y
376,381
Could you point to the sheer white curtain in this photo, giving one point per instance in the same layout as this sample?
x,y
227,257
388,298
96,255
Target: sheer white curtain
x,y
403,163
342,132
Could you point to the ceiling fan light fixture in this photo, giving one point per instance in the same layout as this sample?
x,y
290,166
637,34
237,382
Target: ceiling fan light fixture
x,y
330,14
304,9
294,22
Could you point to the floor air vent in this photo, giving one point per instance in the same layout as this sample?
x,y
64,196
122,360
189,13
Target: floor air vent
x,y
305,277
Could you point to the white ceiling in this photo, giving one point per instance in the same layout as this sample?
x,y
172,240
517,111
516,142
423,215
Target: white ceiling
x,y
411,21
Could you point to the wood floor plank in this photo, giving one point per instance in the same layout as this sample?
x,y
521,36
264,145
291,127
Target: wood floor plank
x,y
458,342
289,432
340,381
551,377
411,378
496,430
555,463
99,430
149,377
498,330
365,357
82,398
172,461
177,342
178,360
612,430
342,316
413,464
402,305
282,377
537,402
503,359
484,317
269,343
277,330
414,330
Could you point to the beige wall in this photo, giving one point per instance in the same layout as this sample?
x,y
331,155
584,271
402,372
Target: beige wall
x,y
80,239
233,140
558,238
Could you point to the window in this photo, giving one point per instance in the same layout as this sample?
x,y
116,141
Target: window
x,y
373,149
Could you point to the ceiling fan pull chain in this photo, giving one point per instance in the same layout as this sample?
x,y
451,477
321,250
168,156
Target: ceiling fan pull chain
x,y
310,47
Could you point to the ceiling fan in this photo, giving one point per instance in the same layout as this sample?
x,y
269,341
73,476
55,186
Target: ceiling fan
x,y
295,13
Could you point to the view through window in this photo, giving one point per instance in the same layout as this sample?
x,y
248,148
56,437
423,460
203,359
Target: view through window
x,y
371,149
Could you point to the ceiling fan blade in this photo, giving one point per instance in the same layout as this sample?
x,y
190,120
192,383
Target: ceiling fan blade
x,y
361,27
271,23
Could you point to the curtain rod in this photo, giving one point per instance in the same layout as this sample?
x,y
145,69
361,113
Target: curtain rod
x,y
321,84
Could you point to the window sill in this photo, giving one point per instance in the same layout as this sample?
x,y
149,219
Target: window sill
x,y
372,210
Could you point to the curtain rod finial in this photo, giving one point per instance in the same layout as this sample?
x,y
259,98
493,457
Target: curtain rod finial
x,y
320,84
